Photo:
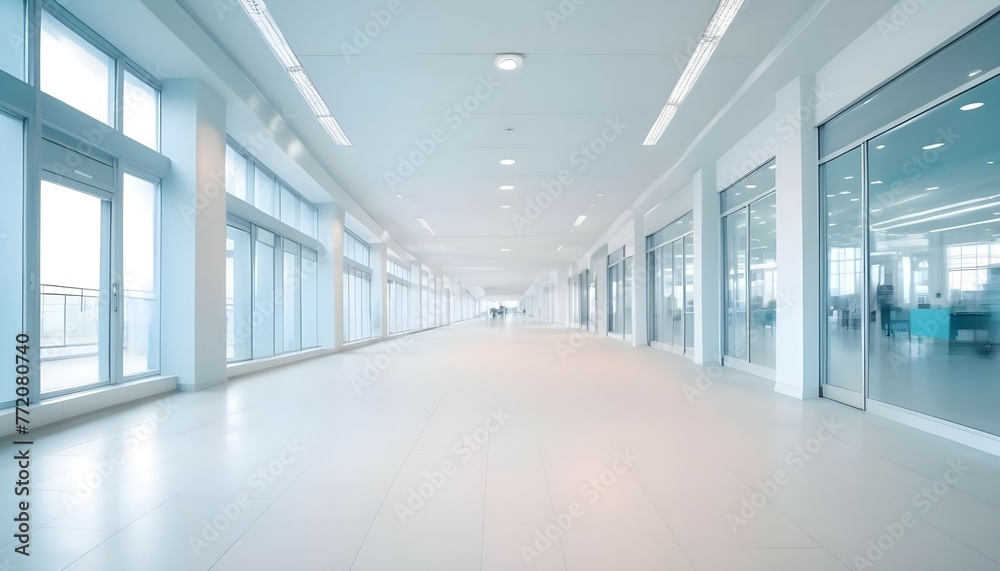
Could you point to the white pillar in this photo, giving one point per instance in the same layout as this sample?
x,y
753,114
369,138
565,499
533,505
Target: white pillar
x,y
331,276
707,269
798,309
193,251
639,273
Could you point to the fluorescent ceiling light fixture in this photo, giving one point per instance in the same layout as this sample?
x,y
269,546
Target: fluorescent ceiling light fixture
x,y
425,225
855,200
508,62
504,249
751,186
934,188
507,162
967,225
848,178
877,182
934,146
846,192
724,16
267,27
772,167
971,106
507,187
880,147
504,206
831,196
975,72
580,220
600,195
559,249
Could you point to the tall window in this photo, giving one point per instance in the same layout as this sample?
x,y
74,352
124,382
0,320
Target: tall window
x,y
12,57
239,301
251,182
399,297
357,289
80,69
12,230
141,340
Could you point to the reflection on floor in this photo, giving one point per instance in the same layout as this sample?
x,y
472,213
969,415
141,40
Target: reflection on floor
x,y
380,459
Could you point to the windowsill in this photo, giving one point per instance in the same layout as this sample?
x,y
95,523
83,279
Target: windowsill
x,y
68,406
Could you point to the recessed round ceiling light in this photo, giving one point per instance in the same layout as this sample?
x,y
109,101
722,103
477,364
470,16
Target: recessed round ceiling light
x,y
971,106
509,62
507,187
507,162
934,146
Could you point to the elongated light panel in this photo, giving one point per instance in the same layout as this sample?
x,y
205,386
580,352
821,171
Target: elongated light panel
x,y
724,16
261,17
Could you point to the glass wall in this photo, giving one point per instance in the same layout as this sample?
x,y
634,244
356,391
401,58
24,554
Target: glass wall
x,y
357,289
310,299
291,297
239,301
264,305
140,283
399,297
12,57
581,306
669,270
11,231
913,262
749,222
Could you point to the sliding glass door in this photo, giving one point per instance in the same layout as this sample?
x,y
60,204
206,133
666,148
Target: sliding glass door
x,y
670,286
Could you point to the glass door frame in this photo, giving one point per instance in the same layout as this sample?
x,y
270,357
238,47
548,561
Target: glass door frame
x,y
840,394
110,298
746,365
651,293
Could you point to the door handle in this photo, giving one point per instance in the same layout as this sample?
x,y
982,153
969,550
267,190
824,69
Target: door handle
x,y
114,295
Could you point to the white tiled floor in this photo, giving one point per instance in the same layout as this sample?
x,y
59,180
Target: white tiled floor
x,y
292,469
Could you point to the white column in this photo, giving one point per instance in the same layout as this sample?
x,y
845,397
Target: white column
x,y
193,251
707,269
331,276
639,273
798,308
